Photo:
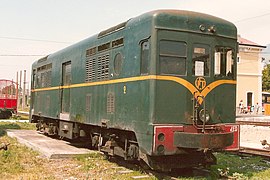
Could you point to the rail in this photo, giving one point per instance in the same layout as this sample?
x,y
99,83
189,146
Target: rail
x,y
255,123
254,151
23,113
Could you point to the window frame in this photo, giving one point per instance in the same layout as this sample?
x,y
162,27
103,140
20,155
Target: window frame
x,y
145,57
181,57
229,72
208,63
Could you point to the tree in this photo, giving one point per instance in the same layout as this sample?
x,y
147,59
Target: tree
x,y
266,78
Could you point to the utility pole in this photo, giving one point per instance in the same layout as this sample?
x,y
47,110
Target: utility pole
x,y
17,90
23,94
20,87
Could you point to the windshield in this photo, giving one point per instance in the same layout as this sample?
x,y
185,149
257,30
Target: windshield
x,y
201,60
173,55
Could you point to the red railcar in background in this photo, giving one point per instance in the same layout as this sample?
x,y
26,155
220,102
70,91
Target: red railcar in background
x,y
8,98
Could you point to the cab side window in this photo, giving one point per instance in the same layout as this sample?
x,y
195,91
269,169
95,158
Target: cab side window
x,y
145,57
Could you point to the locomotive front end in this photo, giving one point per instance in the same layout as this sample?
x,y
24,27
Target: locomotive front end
x,y
195,90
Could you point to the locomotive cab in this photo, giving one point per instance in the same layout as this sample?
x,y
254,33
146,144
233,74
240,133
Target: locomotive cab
x,y
194,111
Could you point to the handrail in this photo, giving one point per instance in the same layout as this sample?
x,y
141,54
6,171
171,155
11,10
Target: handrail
x,y
195,110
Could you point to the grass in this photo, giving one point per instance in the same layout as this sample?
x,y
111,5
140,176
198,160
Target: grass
x,y
24,117
242,167
15,125
108,169
20,162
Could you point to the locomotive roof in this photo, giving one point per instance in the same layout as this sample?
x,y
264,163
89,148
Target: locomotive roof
x,y
190,21
178,20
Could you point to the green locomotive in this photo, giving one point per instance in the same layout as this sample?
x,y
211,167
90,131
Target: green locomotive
x,y
160,88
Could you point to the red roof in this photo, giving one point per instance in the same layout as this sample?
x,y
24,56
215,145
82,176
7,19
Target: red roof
x,y
243,41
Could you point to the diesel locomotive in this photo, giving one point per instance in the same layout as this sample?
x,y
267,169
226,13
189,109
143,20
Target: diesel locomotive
x,y
159,88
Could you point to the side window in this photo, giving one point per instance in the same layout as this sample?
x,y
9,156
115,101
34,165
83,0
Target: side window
x,y
172,57
145,57
67,73
34,76
224,63
201,60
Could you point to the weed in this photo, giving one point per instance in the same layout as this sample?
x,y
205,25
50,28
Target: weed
x,y
244,167
20,162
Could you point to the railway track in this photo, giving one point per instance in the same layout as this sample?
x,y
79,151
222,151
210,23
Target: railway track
x,y
173,175
255,123
265,153
23,113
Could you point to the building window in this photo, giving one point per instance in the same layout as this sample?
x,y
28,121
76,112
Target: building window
x,y
238,59
249,99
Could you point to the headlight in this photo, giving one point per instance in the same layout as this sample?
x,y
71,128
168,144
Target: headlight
x,y
201,116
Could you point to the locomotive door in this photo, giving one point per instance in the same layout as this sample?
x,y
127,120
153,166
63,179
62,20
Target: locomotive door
x,y
65,91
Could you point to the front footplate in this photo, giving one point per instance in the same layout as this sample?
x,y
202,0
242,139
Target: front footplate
x,y
200,140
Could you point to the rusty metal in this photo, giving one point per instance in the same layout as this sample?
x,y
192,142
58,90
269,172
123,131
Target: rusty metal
x,y
206,140
196,104
255,151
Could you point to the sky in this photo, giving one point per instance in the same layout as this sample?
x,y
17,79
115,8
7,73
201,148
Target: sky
x,y
31,29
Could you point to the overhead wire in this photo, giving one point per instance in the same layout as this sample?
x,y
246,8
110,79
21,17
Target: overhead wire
x,y
254,17
22,55
27,39
62,42
39,40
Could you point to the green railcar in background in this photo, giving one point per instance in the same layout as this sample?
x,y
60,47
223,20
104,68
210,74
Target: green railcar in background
x,y
160,88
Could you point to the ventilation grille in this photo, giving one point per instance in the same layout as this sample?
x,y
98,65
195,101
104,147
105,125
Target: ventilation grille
x,y
110,103
42,59
46,79
103,67
48,103
88,102
90,69
112,29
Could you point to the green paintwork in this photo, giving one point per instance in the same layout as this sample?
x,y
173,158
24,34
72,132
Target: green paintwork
x,y
139,104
